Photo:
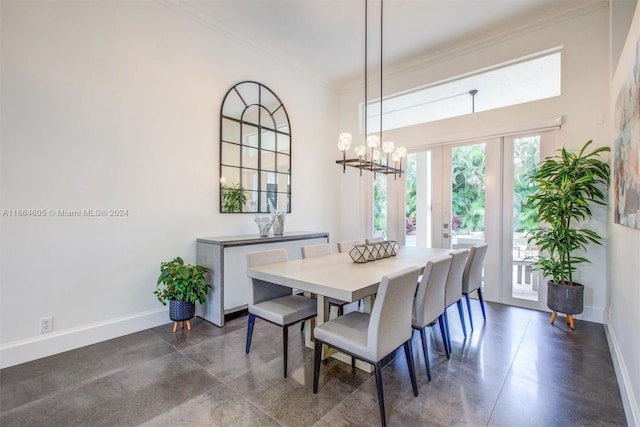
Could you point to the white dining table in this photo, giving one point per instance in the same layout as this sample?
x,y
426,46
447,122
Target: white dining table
x,y
337,276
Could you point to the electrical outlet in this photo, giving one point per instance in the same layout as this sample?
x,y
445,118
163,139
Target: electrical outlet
x,y
46,324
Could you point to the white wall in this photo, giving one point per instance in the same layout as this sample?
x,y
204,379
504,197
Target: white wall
x,y
111,105
583,104
624,268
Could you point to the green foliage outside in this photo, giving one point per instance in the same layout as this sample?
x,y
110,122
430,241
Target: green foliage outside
x,y
182,282
380,202
468,167
380,198
526,155
410,185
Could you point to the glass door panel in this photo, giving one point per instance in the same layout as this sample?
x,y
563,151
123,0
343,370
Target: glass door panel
x,y
526,156
411,200
452,201
471,204
423,169
460,195
521,285
468,175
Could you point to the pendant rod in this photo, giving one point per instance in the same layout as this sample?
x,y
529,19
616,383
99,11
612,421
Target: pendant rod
x,y
366,31
381,93
473,94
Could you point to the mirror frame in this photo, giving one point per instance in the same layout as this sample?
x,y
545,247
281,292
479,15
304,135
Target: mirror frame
x,y
250,105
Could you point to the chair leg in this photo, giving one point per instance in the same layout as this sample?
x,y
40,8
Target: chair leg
x,y
484,315
461,313
340,310
423,335
285,345
466,296
444,336
383,418
317,355
252,320
446,327
412,367
302,326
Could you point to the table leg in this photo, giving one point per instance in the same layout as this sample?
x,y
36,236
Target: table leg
x,y
322,316
368,303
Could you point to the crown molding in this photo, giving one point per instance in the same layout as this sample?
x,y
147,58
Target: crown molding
x,y
189,11
456,50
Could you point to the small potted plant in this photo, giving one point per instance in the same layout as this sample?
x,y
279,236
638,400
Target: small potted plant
x,y
234,197
568,185
182,285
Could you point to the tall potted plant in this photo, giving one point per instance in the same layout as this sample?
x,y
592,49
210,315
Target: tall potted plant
x,y
182,285
568,184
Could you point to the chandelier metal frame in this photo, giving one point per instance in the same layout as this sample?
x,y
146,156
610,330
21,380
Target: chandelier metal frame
x,y
372,161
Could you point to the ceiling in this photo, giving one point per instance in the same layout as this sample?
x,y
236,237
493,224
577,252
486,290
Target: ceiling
x,y
326,37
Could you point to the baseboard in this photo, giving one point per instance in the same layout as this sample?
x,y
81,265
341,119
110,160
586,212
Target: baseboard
x,y
589,313
57,342
592,314
629,400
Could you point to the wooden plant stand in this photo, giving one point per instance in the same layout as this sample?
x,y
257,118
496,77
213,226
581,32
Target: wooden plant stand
x,y
175,325
569,320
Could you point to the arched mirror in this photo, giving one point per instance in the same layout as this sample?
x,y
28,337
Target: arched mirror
x,y
255,151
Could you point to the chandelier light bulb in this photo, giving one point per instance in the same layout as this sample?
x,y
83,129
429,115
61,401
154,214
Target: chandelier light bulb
x,y
376,155
401,152
344,141
223,180
395,158
360,151
373,141
388,147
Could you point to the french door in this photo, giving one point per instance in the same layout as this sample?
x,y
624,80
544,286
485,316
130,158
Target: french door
x,y
473,192
521,285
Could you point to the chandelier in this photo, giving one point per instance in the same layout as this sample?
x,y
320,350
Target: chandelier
x,y
369,157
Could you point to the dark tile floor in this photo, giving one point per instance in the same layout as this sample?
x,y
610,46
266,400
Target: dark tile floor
x,y
513,370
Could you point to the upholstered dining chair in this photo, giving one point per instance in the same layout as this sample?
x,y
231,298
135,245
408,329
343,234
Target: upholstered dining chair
x,y
274,303
472,277
453,290
315,250
373,240
347,245
320,250
428,304
372,337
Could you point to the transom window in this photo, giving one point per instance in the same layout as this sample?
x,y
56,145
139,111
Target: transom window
x,y
522,80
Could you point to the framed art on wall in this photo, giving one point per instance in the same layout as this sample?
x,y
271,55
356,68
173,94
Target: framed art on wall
x,y
626,174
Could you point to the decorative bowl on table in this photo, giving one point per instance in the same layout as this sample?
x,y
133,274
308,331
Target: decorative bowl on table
x,y
360,253
375,251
